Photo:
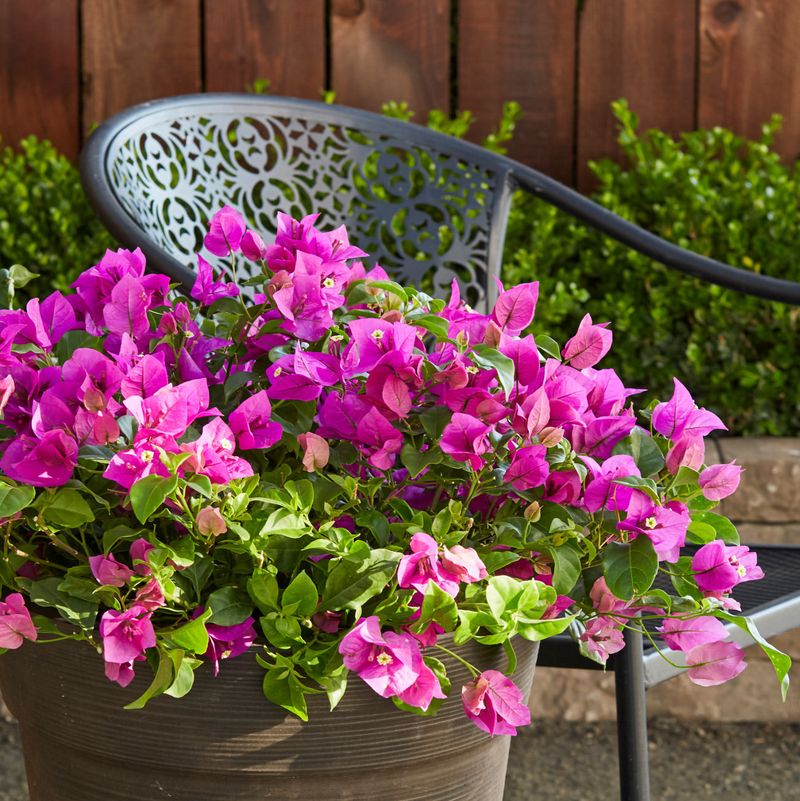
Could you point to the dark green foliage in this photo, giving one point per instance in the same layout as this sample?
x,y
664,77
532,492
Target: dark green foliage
x,y
46,223
709,191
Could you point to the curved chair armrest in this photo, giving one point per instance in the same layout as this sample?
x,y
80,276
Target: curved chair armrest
x,y
671,255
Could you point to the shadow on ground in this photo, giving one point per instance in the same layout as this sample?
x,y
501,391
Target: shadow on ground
x,y
558,761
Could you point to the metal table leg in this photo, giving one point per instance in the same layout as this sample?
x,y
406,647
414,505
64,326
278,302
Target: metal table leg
x,y
634,774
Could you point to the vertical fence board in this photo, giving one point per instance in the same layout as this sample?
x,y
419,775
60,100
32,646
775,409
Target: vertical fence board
x,y
523,50
280,40
137,50
642,50
385,50
39,72
749,67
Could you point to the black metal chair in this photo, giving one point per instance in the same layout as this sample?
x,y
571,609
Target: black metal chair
x,y
429,208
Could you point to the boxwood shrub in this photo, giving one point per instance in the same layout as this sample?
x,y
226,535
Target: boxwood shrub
x,y
46,223
712,192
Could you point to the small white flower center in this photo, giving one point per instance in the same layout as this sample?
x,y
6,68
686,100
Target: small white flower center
x,y
384,659
741,570
377,334
227,444
147,456
328,282
651,522
278,371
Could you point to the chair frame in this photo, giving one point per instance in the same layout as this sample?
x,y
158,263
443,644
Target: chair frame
x,y
511,175
635,668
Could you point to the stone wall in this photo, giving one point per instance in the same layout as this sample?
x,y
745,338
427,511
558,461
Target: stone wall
x,y
766,509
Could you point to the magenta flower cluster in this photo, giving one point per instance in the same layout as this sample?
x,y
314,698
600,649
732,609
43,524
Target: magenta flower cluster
x,y
344,474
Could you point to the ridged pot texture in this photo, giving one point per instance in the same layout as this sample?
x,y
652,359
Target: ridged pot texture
x,y
225,742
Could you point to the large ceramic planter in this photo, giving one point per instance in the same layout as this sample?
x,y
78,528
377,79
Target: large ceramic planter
x,y
224,742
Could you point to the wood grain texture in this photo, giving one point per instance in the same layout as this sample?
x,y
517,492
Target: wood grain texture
x,y
39,72
280,40
642,50
387,50
523,50
750,68
137,50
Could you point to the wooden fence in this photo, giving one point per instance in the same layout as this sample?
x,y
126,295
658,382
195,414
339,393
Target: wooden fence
x,y
68,64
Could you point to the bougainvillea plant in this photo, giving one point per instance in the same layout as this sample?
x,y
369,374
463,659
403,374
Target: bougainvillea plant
x,y
342,476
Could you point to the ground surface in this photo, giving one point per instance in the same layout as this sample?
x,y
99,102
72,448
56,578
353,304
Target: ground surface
x,y
560,761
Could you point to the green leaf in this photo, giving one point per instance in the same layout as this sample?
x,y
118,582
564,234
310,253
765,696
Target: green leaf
x,y
262,587
198,574
229,607
201,485
434,421
120,533
536,630
495,560
285,523
285,552
415,460
437,607
301,595
161,682
73,340
335,687
225,306
149,493
376,523
77,586
78,611
441,524
505,594
491,358
780,661
281,631
644,450
548,346
67,508
723,528
566,566
192,636
235,383
282,688
98,454
183,669
391,287
14,499
699,532
682,578
437,326
645,485
686,477
350,585
630,568
302,494
181,551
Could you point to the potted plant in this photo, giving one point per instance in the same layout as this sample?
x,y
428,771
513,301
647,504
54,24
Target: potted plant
x,y
347,492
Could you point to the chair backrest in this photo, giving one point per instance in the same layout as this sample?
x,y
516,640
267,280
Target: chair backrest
x,y
428,207
425,206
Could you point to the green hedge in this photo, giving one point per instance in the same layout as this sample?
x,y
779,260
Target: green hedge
x,y
714,193
46,223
